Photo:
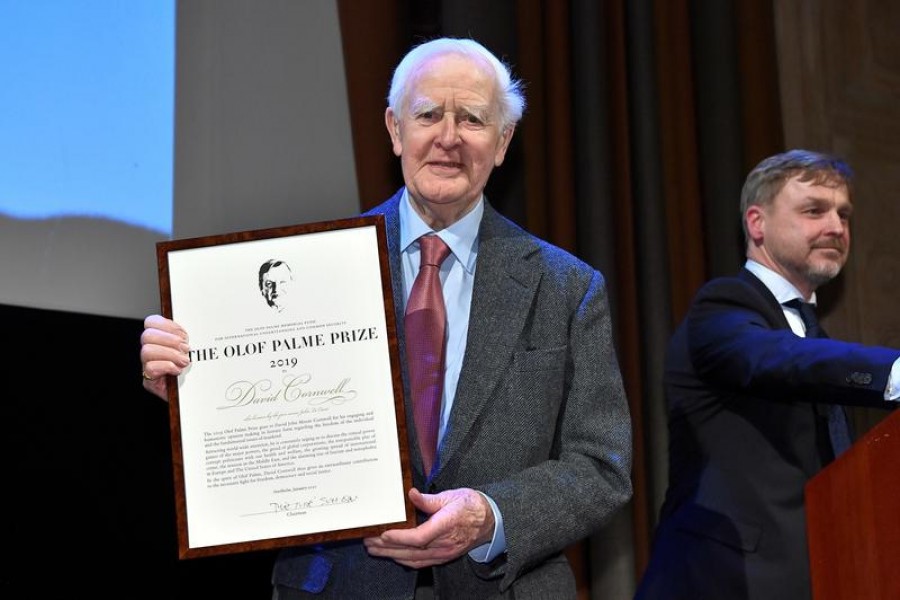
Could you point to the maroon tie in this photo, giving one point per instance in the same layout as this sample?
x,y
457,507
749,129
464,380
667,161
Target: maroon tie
x,y
426,324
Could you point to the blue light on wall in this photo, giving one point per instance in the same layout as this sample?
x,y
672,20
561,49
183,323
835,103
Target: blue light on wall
x,y
86,110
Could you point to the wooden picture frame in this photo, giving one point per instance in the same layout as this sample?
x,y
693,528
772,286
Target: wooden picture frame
x,y
288,427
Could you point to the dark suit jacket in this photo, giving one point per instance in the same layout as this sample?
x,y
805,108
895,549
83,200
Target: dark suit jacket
x,y
539,423
745,436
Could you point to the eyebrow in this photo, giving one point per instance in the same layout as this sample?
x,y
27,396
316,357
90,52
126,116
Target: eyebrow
x,y
846,207
421,105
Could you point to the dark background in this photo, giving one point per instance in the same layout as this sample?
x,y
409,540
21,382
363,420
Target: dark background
x,y
89,500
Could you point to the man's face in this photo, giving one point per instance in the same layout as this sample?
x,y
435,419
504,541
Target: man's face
x,y
276,284
448,139
804,234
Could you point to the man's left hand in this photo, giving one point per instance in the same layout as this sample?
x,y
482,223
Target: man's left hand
x,y
458,521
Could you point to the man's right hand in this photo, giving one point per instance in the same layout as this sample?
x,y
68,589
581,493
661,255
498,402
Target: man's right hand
x,y
164,351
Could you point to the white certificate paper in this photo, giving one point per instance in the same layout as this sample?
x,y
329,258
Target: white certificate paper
x,y
288,426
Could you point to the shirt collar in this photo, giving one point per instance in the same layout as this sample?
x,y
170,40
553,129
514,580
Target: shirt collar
x,y
781,288
460,236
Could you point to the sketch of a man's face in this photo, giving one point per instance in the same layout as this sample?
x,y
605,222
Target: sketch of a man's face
x,y
275,282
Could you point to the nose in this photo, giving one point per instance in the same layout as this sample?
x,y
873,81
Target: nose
x,y
836,224
449,131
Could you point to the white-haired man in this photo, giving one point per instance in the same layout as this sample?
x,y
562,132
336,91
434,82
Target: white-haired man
x,y
534,433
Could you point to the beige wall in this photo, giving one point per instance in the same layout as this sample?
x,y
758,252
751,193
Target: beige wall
x,y
262,136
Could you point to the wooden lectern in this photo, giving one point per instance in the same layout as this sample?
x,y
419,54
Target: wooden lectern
x,y
853,519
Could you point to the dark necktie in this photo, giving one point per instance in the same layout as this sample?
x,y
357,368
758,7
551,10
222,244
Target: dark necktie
x,y
426,325
838,426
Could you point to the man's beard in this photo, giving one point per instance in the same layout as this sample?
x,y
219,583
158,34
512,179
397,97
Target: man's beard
x,y
819,274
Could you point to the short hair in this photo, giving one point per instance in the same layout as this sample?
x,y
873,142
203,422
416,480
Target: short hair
x,y
768,178
268,266
511,97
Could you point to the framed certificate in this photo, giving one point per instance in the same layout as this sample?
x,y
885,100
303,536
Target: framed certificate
x,y
288,427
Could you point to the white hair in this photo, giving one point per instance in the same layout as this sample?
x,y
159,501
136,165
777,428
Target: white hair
x,y
512,100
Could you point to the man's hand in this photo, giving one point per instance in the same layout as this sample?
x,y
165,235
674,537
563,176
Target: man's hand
x,y
459,521
164,351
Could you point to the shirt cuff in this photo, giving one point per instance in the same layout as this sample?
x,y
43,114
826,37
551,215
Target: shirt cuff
x,y
892,391
485,553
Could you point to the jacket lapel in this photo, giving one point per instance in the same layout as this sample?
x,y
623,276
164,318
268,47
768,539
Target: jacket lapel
x,y
503,293
391,212
771,308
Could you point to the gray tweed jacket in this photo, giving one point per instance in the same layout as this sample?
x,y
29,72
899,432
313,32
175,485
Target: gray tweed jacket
x,y
540,424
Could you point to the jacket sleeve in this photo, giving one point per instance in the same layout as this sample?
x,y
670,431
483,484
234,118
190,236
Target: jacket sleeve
x,y
734,343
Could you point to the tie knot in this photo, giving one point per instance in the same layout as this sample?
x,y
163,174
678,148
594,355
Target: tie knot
x,y
434,250
807,312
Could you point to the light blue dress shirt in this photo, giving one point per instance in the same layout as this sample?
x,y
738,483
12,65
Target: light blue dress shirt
x,y
784,291
457,281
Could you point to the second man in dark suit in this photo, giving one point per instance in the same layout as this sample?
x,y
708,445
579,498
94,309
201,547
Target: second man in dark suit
x,y
754,394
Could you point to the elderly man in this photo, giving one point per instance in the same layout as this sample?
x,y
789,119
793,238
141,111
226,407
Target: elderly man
x,y
533,440
275,283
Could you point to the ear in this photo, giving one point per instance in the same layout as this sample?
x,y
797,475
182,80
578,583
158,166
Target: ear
x,y
755,218
393,127
505,139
